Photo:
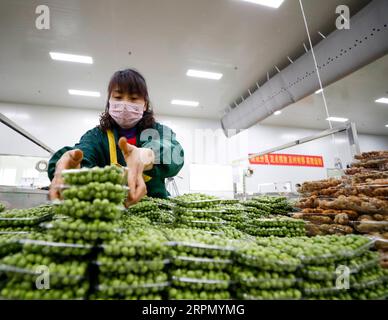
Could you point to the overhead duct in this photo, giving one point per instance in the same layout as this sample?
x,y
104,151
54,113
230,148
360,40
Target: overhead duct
x,y
341,53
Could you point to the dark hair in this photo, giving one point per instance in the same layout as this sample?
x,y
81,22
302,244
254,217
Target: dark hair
x,y
132,82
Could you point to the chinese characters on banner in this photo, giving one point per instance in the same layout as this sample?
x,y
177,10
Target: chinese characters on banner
x,y
278,159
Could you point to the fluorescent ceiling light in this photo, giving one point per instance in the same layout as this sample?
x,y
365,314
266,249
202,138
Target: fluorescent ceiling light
x,y
71,57
382,100
185,103
204,74
276,113
319,91
84,93
337,119
268,3
386,125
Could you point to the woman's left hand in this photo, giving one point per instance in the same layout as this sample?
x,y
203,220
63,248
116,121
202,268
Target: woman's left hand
x,y
137,160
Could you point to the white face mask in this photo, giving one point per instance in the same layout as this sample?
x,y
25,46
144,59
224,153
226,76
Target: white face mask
x,y
126,114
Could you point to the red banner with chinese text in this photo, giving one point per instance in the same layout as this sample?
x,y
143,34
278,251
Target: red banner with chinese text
x,y
280,159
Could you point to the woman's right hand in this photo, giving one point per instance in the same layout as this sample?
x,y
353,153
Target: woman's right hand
x,y
69,160
135,166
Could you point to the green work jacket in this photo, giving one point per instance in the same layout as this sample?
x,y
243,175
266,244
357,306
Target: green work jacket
x,y
161,139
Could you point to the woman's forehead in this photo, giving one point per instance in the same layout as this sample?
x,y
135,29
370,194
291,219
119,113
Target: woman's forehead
x,y
118,89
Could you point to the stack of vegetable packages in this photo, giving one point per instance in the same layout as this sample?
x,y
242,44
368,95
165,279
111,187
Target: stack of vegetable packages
x,y
24,220
9,244
55,265
15,267
134,266
265,220
200,251
356,203
200,262
157,211
15,224
196,246
264,272
337,267
270,205
217,262
198,211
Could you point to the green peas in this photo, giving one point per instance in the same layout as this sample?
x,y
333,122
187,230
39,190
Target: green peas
x,y
132,285
123,265
21,218
112,174
98,209
200,280
96,191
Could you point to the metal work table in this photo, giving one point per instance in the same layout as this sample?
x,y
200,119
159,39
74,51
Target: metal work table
x,y
14,197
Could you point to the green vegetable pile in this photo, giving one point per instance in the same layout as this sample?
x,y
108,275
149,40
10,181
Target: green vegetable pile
x,y
250,278
46,245
279,227
324,272
130,260
9,243
334,267
196,200
266,258
123,265
77,229
258,294
84,176
114,193
26,267
200,280
19,219
199,243
274,205
93,202
199,264
24,290
198,211
139,244
129,223
320,250
133,266
88,215
190,247
362,283
97,210
157,211
65,279
181,294
132,285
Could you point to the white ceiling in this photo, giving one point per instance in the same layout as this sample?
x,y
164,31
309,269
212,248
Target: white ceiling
x,y
239,39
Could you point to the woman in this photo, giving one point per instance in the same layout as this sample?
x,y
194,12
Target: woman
x,y
148,149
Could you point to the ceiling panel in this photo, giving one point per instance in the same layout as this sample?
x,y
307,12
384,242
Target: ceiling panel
x,y
162,39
